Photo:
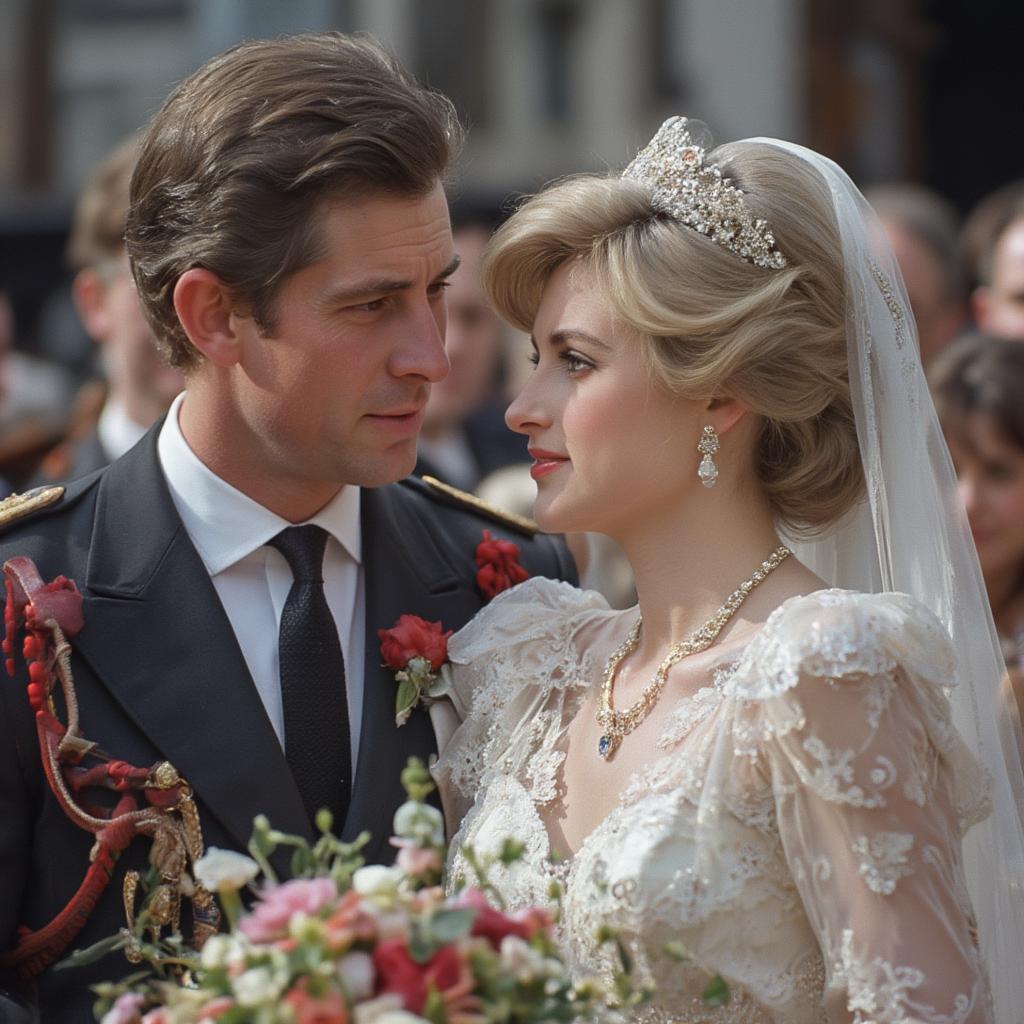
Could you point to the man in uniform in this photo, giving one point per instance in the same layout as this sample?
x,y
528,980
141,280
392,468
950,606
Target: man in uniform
x,y
290,241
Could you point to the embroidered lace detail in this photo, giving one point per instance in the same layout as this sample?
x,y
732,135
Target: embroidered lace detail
x,y
834,723
881,993
693,710
884,859
836,767
837,633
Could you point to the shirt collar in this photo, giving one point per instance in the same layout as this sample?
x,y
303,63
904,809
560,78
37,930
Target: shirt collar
x,y
224,524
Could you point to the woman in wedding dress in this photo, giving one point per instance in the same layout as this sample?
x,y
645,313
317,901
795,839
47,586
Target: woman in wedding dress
x,y
769,772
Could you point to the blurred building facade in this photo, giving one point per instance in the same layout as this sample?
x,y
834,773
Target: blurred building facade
x,y
547,87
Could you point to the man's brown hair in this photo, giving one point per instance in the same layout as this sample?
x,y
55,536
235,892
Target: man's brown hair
x,y
97,228
244,152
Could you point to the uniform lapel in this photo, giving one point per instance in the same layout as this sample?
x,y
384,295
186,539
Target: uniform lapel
x,y
406,572
158,637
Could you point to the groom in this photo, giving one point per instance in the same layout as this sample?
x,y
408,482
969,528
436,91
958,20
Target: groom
x,y
290,241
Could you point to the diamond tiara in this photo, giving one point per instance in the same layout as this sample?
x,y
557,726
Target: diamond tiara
x,y
673,168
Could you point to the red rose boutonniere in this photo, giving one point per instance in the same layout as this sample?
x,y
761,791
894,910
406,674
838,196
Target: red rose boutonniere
x,y
418,652
498,566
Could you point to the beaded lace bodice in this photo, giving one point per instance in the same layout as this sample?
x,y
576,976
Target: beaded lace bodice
x,y
797,828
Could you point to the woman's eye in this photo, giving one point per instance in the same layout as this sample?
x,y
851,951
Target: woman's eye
x,y
575,363
534,358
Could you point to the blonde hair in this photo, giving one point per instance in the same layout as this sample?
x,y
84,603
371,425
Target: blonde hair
x,y
714,325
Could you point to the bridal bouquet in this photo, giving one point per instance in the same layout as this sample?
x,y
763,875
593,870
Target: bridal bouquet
x,y
340,942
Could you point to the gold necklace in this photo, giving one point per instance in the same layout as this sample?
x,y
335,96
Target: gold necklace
x,y
618,724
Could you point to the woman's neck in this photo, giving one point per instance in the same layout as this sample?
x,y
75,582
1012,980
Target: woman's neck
x,y
687,562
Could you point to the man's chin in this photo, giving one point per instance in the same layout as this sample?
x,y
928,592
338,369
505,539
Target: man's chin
x,y
388,469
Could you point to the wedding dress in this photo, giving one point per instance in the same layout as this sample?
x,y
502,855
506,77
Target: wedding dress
x,y
797,828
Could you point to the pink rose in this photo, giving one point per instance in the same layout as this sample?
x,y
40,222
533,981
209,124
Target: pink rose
x,y
126,1009
349,922
216,1008
412,637
327,1009
415,860
270,917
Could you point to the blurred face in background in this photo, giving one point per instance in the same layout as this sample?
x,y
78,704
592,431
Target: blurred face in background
x,y
999,306
109,307
472,341
990,469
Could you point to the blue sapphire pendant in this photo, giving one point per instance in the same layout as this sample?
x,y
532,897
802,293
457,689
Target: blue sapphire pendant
x,y
605,747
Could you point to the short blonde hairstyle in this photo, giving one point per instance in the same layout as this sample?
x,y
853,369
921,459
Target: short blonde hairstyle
x,y
714,325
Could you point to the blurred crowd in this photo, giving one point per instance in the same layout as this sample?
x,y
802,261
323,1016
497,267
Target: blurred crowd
x,y
65,411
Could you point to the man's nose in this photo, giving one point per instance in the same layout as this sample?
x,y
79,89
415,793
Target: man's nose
x,y
422,353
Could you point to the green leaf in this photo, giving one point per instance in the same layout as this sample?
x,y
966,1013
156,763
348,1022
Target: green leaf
x,y
677,951
450,925
624,958
717,992
421,944
302,861
433,1008
408,694
511,851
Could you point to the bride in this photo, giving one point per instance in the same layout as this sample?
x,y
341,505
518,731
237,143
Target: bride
x,y
772,773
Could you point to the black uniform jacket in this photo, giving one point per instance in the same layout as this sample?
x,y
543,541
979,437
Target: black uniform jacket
x,y
160,676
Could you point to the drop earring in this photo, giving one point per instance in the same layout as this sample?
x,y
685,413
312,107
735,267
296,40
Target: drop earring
x,y
707,470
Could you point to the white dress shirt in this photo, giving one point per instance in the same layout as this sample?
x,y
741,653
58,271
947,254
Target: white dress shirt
x,y
230,531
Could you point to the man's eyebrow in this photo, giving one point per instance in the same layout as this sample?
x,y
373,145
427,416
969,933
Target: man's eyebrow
x,y
382,285
450,269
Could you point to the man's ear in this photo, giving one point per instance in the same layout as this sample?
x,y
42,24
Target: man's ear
x,y
724,413
89,293
206,311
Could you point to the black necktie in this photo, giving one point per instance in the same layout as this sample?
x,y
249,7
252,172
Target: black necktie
x,y
316,730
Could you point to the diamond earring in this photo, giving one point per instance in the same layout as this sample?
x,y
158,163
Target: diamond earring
x,y
707,470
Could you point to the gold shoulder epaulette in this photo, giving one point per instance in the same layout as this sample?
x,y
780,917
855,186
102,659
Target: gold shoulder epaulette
x,y
17,506
517,522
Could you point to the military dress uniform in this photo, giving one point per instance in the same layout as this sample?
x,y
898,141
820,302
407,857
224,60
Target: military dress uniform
x,y
161,675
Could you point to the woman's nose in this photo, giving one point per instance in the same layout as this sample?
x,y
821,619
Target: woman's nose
x,y
527,412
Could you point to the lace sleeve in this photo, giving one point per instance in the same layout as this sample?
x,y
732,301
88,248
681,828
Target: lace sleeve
x,y
504,664
873,792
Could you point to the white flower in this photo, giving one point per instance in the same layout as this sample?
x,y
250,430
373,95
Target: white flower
x,y
385,1010
421,822
356,973
224,870
258,986
377,881
372,1010
525,962
221,951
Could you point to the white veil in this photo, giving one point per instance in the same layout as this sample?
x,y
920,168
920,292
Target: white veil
x,y
911,535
